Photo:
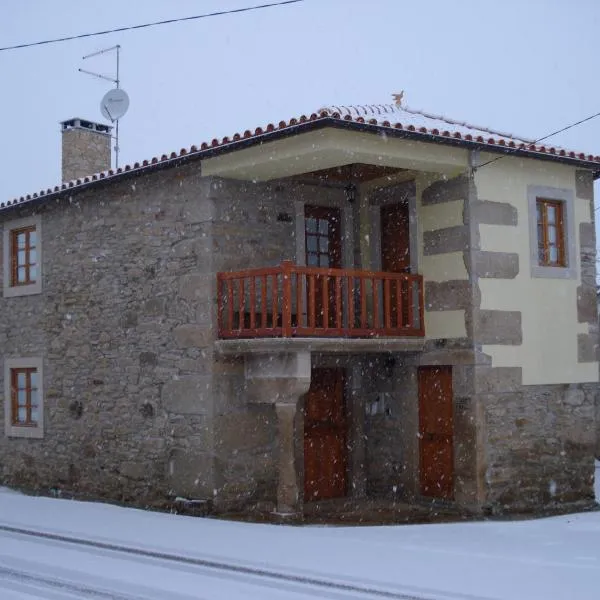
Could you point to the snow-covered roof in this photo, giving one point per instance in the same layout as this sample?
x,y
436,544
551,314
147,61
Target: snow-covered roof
x,y
379,118
419,119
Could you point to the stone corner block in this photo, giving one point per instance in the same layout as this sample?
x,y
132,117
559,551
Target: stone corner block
x,y
195,286
443,241
587,304
490,380
187,395
584,185
587,236
191,335
448,295
485,212
587,347
498,327
495,265
446,190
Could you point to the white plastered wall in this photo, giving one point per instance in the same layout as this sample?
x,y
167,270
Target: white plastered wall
x,y
548,306
440,267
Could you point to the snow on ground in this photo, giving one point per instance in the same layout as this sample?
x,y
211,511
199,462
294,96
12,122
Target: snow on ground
x,y
544,559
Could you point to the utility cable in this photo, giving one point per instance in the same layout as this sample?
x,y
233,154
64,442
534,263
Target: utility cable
x,y
539,140
145,25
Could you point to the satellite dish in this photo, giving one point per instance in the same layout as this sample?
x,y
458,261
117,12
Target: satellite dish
x,y
114,104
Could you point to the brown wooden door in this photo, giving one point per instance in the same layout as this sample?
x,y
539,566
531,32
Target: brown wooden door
x,y
395,256
325,436
323,237
395,238
436,432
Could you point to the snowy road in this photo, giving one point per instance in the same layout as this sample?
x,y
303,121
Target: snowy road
x,y
105,552
61,567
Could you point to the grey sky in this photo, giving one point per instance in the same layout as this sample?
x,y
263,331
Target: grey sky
x,y
523,66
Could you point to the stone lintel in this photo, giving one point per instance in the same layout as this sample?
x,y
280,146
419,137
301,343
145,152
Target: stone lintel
x,y
495,265
484,212
448,239
450,357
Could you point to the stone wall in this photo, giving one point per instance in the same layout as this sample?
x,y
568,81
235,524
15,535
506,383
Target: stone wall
x,y
383,429
123,326
253,227
517,447
539,447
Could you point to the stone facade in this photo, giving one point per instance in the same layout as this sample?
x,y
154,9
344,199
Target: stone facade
x,y
140,407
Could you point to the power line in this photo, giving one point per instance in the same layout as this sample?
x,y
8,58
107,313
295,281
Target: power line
x,y
154,24
540,139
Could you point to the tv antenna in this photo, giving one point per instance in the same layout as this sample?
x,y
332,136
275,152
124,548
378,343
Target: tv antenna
x,y
115,102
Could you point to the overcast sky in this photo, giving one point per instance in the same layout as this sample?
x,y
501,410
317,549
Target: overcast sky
x,y
528,67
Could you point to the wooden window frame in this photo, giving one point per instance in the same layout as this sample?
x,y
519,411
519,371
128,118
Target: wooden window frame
x,y
29,389
12,427
10,263
569,269
14,256
544,244
334,251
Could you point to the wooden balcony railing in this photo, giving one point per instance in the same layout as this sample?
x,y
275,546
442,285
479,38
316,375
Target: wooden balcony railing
x,y
294,301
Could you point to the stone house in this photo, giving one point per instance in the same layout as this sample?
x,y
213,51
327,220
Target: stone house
x,y
339,307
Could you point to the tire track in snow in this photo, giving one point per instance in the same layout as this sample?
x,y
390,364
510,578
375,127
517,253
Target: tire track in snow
x,y
340,588
30,585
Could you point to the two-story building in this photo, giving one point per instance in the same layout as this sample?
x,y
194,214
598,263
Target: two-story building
x,y
362,303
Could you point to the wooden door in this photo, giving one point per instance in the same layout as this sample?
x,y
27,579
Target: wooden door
x,y
395,256
395,238
325,436
436,431
323,237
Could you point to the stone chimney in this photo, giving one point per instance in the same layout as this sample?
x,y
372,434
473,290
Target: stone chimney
x,y
85,148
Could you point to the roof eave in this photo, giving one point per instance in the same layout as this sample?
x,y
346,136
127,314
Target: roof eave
x,y
301,127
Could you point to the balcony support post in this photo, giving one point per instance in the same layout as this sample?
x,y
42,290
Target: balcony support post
x,y
282,379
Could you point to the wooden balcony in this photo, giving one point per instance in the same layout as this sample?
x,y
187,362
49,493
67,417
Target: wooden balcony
x,y
293,301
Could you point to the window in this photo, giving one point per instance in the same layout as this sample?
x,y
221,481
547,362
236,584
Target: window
x,y
23,398
22,257
550,233
323,236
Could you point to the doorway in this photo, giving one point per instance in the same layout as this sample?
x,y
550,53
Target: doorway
x,y
323,239
395,238
436,432
395,258
325,432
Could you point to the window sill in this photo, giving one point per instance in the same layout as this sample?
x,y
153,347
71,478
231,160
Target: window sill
x,y
23,290
543,272
24,431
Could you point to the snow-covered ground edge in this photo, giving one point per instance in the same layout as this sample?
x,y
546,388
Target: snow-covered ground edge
x,y
546,559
